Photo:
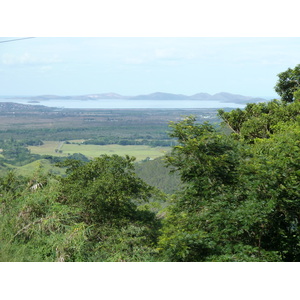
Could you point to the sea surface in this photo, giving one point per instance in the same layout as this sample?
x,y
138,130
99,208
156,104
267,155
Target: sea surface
x,y
127,104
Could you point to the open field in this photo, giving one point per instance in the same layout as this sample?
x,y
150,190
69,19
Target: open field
x,y
32,168
48,148
41,166
140,152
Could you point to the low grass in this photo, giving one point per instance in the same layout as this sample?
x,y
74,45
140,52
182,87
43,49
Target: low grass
x,y
31,168
140,152
48,148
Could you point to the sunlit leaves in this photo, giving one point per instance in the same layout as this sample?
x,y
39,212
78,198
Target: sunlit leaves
x,y
288,83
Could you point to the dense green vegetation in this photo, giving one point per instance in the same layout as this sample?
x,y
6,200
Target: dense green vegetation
x,y
242,199
234,196
93,214
156,174
16,153
149,141
288,84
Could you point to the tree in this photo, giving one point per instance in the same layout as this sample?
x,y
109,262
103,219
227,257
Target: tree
x,y
278,162
106,194
207,162
92,214
259,120
297,95
106,188
241,200
288,84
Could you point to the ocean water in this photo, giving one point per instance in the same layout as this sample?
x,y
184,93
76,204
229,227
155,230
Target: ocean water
x,y
128,104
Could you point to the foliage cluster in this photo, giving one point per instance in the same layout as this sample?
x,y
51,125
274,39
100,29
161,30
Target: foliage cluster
x,y
241,202
96,213
16,153
153,142
288,84
156,174
260,120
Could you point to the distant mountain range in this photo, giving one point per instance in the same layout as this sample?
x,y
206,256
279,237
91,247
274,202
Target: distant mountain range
x,y
17,107
223,97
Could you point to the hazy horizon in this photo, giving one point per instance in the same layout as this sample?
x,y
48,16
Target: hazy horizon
x,y
144,65
132,95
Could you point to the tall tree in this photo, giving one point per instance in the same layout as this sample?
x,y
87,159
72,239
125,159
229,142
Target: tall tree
x,y
288,83
241,200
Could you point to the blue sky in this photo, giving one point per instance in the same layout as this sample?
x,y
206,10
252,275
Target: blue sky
x,y
142,65
138,47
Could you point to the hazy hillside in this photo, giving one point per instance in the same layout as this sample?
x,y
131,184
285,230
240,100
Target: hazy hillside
x,y
155,173
223,97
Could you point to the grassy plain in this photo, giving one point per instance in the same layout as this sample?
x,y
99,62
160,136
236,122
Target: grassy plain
x,y
41,166
44,164
140,152
48,148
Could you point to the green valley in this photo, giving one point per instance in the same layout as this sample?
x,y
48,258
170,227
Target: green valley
x,y
61,149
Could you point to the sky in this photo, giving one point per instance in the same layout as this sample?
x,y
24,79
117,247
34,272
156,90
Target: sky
x,y
143,65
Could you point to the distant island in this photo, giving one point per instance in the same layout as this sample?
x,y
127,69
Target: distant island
x,y
222,97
